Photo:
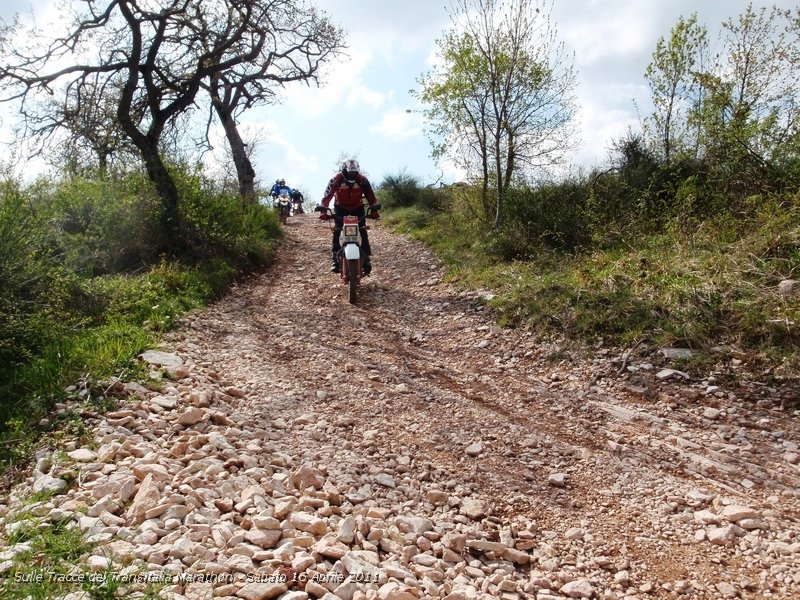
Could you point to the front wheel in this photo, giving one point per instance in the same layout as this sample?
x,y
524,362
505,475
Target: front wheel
x,y
352,276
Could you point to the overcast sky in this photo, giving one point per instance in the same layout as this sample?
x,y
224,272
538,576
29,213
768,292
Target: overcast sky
x,y
361,108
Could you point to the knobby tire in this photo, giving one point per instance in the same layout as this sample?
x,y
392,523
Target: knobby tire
x,y
352,275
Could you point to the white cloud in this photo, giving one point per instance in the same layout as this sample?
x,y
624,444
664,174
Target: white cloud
x,y
621,31
362,95
398,125
341,83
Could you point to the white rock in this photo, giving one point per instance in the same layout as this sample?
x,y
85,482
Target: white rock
x,y
721,536
580,588
306,477
487,546
192,416
240,563
49,484
309,523
735,513
262,591
473,508
82,455
706,517
474,449
385,480
669,373
168,360
418,525
788,288
364,564
727,590
752,524
395,591
574,533
147,498
265,538
99,563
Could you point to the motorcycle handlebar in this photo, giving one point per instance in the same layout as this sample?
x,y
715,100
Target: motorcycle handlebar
x,y
329,210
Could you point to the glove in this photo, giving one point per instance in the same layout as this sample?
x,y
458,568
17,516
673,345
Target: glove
x,y
323,215
373,213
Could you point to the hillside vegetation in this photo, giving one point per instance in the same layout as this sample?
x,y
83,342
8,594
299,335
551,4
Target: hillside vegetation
x,y
86,289
625,257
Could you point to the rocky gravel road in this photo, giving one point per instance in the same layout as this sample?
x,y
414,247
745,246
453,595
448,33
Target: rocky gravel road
x,y
408,448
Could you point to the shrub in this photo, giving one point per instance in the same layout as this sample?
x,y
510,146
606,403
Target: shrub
x,y
34,288
84,284
106,225
221,224
403,190
553,214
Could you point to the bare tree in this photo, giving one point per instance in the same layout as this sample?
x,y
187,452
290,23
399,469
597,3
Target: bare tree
x,y
297,40
144,54
503,98
84,129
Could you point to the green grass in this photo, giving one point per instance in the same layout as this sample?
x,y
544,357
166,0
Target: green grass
x,y
713,286
51,565
52,553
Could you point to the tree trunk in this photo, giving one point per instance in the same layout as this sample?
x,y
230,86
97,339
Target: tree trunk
x,y
168,193
500,191
511,155
245,173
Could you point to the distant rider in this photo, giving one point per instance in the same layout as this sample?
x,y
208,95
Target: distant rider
x,y
297,202
280,184
349,186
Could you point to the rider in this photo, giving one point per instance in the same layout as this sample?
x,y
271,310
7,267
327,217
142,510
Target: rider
x,y
349,186
297,199
280,184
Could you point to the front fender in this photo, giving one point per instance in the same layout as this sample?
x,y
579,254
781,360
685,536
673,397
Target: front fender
x,y
351,251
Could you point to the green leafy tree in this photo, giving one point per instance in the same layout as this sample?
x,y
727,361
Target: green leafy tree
x,y
763,66
750,118
676,91
500,104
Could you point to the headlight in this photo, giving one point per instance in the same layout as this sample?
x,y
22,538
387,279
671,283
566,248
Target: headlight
x,y
351,230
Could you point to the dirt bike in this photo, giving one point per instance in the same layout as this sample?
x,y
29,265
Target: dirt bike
x,y
282,204
351,256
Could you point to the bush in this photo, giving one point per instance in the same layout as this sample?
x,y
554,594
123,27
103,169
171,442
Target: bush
x,y
85,288
34,287
554,215
223,225
403,190
107,225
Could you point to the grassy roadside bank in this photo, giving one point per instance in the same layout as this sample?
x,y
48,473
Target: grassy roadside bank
x,y
87,287
722,288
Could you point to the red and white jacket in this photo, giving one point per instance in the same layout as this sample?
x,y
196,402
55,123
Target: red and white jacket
x,y
348,196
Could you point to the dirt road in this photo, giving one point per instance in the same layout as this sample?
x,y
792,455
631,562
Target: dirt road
x,y
409,438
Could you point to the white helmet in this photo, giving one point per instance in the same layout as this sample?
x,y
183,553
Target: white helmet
x,y
350,170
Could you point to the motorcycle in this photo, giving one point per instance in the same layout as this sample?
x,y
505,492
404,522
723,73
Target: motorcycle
x,y
351,256
282,204
297,207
